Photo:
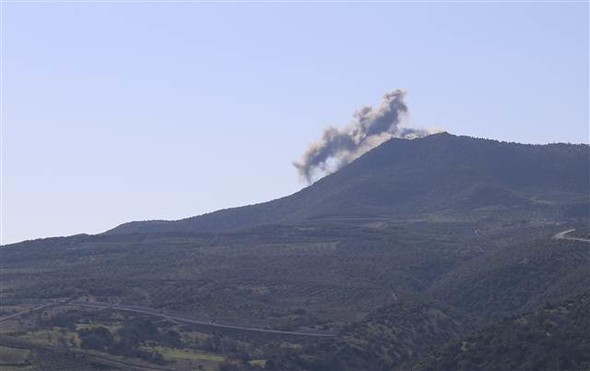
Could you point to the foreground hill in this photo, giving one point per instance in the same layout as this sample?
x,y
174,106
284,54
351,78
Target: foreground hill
x,y
440,175
553,338
517,277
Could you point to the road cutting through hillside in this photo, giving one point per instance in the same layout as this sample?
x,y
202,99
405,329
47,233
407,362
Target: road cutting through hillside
x,y
563,236
171,317
28,311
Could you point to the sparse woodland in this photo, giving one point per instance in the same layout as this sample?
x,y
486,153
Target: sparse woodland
x,y
413,264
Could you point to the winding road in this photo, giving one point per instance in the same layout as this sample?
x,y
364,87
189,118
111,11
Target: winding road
x,y
181,319
171,317
31,310
564,236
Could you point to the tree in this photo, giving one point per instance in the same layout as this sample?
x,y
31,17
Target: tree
x,y
97,338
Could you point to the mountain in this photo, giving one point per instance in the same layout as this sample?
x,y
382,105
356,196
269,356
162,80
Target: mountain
x,y
440,175
413,255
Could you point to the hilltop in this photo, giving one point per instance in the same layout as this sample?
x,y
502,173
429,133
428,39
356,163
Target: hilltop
x,y
441,175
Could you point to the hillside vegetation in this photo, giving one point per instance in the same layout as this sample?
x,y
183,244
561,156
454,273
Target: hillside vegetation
x,y
441,174
553,338
422,254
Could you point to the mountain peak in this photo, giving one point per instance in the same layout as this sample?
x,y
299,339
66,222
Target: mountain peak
x,y
441,174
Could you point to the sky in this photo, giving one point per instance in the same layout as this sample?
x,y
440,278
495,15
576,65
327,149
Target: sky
x,y
114,111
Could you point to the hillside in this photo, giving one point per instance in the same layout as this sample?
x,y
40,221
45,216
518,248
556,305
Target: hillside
x,y
441,175
553,338
415,245
517,277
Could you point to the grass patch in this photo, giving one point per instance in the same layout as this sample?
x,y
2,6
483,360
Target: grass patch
x,y
112,328
13,356
258,363
17,368
186,355
49,337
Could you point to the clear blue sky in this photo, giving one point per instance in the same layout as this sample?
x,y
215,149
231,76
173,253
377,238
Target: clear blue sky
x,y
115,112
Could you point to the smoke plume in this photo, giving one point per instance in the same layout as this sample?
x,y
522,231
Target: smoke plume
x,y
369,128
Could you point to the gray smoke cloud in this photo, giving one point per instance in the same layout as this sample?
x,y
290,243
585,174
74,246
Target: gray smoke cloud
x,y
369,128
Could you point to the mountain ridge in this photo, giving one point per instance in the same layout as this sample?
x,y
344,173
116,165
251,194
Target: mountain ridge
x,y
440,173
